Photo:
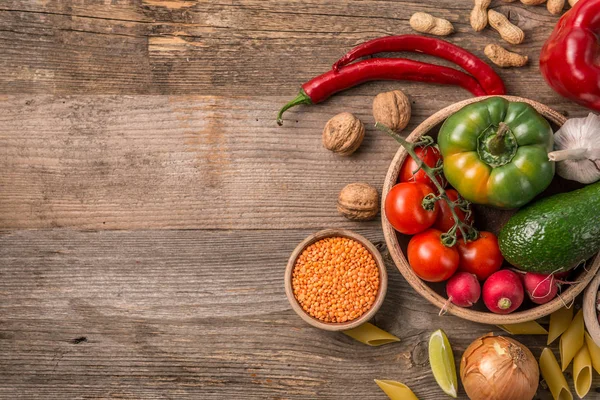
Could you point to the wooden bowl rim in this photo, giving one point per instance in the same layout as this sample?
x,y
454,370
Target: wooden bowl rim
x,y
420,286
590,315
341,326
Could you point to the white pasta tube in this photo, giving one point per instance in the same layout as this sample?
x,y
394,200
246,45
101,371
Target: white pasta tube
x,y
582,372
572,340
553,376
559,322
371,335
396,390
524,328
594,352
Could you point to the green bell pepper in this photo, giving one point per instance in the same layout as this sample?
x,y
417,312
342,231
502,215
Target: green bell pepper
x,y
496,152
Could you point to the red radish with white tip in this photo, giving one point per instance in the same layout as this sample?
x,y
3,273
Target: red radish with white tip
x,y
541,288
503,292
463,289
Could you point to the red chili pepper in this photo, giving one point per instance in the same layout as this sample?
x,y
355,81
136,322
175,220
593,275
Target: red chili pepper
x,y
570,58
323,86
486,76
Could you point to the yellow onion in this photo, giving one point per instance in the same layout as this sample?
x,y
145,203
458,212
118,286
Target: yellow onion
x,y
499,368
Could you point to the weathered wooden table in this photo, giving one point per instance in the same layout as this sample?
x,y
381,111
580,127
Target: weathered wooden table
x,y
149,202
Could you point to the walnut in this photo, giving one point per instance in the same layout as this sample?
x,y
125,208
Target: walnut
x,y
392,109
343,134
358,202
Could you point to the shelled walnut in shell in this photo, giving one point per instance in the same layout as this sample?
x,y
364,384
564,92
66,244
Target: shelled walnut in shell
x,y
392,109
358,202
343,134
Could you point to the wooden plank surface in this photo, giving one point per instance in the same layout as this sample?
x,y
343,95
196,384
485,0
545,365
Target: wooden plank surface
x,y
192,162
148,201
192,314
245,47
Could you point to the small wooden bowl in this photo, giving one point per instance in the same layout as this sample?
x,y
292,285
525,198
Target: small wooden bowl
x,y
590,315
491,219
338,326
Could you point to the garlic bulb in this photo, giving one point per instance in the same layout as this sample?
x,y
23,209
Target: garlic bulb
x,y
577,145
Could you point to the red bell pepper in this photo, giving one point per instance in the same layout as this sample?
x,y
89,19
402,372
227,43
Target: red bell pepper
x,y
570,58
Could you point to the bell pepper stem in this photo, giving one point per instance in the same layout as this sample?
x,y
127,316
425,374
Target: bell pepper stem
x,y
302,98
496,144
449,238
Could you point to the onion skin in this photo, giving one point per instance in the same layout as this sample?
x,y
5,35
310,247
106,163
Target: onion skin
x,y
488,375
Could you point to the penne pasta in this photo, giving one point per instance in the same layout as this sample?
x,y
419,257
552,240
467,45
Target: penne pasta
x,y
594,352
553,376
571,341
524,328
582,372
371,335
559,322
396,390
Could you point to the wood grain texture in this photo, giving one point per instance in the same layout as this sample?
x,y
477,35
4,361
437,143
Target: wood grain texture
x,y
224,47
190,314
192,162
140,137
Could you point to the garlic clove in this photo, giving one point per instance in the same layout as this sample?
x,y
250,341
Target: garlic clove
x,y
577,149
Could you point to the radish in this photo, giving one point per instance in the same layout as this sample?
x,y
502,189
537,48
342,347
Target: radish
x,y
541,288
562,275
463,289
503,292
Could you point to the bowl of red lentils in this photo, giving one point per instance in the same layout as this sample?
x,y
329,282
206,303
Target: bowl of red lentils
x,y
335,280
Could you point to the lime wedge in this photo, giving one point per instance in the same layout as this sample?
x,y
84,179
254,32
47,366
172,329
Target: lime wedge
x,y
441,360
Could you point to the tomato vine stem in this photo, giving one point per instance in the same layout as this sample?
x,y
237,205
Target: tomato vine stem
x,y
449,238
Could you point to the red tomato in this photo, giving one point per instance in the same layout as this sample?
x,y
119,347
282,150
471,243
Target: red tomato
x,y
481,257
404,208
430,155
430,259
445,221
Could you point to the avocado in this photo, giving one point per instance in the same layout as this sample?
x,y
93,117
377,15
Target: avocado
x,y
555,233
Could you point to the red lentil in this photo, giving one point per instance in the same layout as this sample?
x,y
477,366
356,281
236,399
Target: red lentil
x,y
335,280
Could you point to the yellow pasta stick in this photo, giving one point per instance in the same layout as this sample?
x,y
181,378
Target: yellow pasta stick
x,y
594,351
396,390
370,334
582,372
571,341
559,322
524,328
553,376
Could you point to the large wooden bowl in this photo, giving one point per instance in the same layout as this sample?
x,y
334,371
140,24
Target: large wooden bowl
x,y
486,218
590,314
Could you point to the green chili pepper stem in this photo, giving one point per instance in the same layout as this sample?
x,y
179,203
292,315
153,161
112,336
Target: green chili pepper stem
x,y
302,98
497,145
449,238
